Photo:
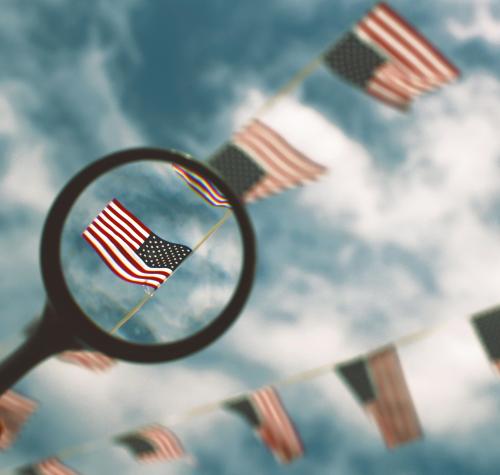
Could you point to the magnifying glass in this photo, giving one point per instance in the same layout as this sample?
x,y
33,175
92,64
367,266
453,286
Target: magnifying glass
x,y
137,266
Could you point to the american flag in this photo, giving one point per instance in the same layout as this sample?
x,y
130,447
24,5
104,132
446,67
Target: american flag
x,y
379,383
264,411
487,326
50,466
389,58
153,444
14,412
202,187
92,360
259,162
130,249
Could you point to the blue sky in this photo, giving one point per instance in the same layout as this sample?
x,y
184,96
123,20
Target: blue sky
x,y
402,234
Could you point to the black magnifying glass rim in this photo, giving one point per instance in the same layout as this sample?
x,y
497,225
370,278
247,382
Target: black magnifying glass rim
x,y
66,309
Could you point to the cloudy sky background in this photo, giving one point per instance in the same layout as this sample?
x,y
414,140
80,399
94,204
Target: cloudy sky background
x,y
401,235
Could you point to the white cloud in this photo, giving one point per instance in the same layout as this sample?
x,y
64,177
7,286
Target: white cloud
x,y
448,374
81,81
115,129
106,409
483,25
26,179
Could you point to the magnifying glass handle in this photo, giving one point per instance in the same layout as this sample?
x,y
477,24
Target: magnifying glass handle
x,y
46,339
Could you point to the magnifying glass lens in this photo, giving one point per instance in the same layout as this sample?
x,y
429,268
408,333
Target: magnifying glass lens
x,y
146,258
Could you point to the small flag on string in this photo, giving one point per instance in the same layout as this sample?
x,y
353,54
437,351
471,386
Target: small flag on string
x,y
92,360
389,58
378,382
265,412
153,444
487,326
14,412
130,249
259,163
202,187
50,466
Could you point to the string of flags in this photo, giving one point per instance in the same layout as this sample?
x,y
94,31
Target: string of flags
x,y
376,380
383,54
390,60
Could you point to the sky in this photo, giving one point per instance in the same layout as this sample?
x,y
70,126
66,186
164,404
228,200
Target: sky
x,y
401,235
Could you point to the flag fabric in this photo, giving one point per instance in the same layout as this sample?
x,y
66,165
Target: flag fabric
x,y
202,187
487,326
50,466
389,59
153,444
91,360
15,410
378,382
259,163
130,249
265,412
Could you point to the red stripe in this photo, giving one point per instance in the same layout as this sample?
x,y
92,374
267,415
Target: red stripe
x,y
392,88
411,29
119,259
260,149
408,46
131,216
304,167
378,40
125,253
127,232
392,73
380,97
167,440
167,445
